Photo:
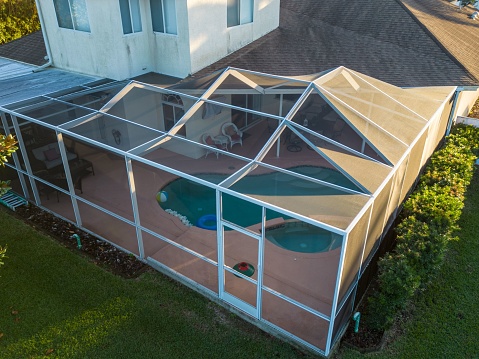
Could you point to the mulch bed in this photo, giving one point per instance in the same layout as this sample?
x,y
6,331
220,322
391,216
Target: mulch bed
x,y
366,339
98,251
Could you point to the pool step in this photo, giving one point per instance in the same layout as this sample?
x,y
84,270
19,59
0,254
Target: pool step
x,y
12,200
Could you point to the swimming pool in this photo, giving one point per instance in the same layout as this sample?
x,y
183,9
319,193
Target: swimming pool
x,y
196,201
302,237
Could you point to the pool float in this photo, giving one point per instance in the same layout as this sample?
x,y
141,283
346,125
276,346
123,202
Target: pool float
x,y
203,220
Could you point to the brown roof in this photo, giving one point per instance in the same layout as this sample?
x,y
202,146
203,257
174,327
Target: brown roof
x,y
453,28
377,38
29,49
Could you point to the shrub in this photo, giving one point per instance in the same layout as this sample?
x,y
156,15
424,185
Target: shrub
x,y
430,216
422,245
435,205
397,281
17,18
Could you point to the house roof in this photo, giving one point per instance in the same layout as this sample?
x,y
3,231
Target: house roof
x,y
29,49
380,39
453,28
403,42
18,81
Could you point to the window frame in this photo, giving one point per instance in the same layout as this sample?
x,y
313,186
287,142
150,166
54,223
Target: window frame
x,y
74,18
175,104
131,17
164,22
240,13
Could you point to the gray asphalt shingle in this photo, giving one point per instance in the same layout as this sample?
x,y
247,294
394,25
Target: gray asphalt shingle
x,y
29,49
379,39
454,29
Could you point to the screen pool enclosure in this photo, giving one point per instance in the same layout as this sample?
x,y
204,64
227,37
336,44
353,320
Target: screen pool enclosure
x,y
268,194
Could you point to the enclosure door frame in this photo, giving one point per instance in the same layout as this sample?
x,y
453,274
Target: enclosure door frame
x,y
254,311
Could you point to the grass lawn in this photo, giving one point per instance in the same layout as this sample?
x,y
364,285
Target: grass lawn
x,y
57,304
445,322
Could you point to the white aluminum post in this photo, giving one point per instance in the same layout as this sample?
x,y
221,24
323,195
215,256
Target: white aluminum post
x,y
71,186
362,254
220,244
26,160
259,282
278,143
336,293
134,205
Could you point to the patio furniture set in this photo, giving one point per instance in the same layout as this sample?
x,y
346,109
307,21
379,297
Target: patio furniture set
x,y
230,134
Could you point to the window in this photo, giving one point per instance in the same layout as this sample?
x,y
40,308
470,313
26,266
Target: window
x,y
239,12
72,14
163,16
130,16
173,110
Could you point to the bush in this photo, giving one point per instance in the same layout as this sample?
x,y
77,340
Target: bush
x,y
423,246
398,281
430,216
17,18
437,206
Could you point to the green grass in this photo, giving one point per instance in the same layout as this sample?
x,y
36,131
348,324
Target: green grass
x,y
445,321
54,299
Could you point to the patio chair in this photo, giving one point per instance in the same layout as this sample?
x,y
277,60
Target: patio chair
x,y
47,157
234,135
293,141
209,140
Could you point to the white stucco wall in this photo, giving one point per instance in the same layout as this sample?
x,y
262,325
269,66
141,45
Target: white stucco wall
x,y
211,39
105,51
465,102
171,53
203,38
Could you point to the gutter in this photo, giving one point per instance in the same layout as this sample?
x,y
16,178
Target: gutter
x,y
45,38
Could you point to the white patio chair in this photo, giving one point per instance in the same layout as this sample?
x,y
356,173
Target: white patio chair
x,y
234,135
209,140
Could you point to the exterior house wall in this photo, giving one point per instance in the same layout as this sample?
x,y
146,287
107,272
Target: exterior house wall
x,y
203,38
202,29
170,54
105,51
466,100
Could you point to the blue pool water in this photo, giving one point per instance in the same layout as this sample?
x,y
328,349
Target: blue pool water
x,y
301,237
194,200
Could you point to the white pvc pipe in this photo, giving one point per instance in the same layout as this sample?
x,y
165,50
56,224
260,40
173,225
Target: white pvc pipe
x,y
45,38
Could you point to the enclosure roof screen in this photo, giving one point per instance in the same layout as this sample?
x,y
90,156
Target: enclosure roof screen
x,y
323,143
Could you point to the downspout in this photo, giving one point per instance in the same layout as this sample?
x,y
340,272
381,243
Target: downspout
x,y
45,38
453,110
